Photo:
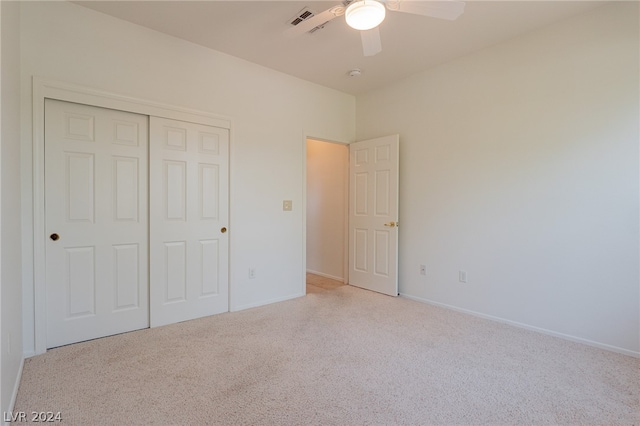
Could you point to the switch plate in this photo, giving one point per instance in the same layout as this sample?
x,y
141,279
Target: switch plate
x,y
287,205
462,276
423,269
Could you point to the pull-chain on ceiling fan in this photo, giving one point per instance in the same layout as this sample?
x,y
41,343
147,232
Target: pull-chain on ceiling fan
x,y
366,15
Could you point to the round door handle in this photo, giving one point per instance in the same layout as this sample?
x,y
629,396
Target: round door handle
x,y
54,237
223,229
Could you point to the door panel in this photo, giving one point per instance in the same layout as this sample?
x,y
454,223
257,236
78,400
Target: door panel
x,y
125,177
95,171
373,217
127,275
176,277
189,205
81,281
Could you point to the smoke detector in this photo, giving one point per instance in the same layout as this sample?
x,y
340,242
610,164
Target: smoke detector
x,y
356,72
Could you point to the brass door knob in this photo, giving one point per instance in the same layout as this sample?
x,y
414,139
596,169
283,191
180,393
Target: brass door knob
x,y
223,229
391,224
54,237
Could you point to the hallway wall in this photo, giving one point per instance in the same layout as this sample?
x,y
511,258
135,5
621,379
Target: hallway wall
x,y
327,206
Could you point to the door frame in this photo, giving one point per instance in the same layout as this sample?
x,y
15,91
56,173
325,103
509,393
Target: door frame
x,y
304,211
51,89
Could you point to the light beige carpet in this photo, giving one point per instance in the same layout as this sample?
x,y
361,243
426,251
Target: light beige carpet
x,y
344,357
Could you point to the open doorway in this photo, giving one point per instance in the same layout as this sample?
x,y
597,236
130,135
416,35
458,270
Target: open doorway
x,y
327,215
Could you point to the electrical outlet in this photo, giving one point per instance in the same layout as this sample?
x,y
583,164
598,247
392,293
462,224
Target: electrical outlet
x,y
287,205
252,272
423,269
462,276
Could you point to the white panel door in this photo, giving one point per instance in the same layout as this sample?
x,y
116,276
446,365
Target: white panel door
x,y
373,214
96,222
189,244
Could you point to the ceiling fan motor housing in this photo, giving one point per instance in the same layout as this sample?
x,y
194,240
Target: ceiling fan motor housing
x,y
365,14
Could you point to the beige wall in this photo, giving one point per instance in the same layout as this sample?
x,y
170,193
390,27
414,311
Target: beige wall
x,y
520,165
327,177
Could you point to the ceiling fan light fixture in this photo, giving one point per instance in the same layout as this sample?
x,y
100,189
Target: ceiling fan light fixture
x,y
365,14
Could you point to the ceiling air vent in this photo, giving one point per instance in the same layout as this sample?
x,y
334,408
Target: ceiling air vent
x,y
303,15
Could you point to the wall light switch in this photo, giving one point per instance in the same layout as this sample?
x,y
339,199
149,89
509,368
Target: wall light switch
x,y
287,205
462,276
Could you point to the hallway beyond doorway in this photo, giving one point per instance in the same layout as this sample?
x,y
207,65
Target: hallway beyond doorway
x,y
318,284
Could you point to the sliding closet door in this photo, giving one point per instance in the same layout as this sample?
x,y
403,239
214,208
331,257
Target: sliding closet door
x,y
189,243
96,222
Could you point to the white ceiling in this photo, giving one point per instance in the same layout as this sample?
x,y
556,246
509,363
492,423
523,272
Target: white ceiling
x,y
253,30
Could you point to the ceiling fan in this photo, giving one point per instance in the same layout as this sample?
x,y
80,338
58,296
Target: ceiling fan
x,y
366,15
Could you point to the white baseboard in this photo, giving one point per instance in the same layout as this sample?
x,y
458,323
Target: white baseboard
x,y
265,302
527,327
309,271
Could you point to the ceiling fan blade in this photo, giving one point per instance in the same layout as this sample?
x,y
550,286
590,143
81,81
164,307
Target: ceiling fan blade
x,y
319,19
447,9
371,44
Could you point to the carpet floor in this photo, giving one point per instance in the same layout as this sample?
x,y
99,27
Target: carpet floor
x,y
341,357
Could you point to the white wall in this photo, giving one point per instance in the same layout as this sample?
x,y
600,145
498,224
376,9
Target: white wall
x,y
520,165
271,113
327,176
10,263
